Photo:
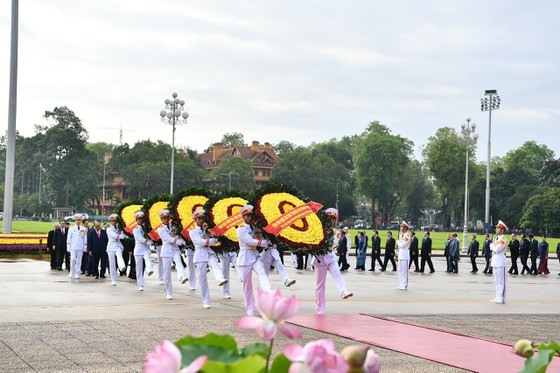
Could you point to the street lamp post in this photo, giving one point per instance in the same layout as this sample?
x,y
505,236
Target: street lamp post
x,y
338,212
174,111
492,102
229,179
469,135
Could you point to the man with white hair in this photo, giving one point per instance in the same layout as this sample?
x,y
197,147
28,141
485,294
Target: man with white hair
x,y
115,248
204,256
141,251
170,253
76,246
249,259
327,263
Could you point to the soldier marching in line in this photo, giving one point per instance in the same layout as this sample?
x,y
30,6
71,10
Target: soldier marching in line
x,y
115,248
170,253
141,251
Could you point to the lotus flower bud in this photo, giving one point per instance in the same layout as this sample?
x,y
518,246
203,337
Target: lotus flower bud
x,y
355,356
524,348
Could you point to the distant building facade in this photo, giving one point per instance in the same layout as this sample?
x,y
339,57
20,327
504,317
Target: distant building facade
x,y
263,158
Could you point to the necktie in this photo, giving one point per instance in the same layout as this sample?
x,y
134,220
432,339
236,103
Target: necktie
x,y
63,231
98,234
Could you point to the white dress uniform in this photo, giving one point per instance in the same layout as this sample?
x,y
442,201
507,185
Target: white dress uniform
x,y
499,264
204,256
76,245
271,257
115,252
160,263
403,245
250,260
142,254
170,253
227,259
191,268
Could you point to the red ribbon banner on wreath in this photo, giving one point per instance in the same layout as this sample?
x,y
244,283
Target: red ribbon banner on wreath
x,y
290,217
226,225
154,235
129,228
188,228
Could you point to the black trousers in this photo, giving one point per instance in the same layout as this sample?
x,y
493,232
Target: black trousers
x,y
524,257
513,268
426,259
487,269
62,256
53,258
473,263
534,263
413,259
96,258
387,259
343,263
375,257
302,260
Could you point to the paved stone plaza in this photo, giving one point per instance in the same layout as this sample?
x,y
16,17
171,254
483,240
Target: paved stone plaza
x,y
51,324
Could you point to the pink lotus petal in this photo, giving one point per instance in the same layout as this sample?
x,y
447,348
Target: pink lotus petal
x,y
298,368
249,322
195,366
267,331
293,352
267,301
290,331
165,359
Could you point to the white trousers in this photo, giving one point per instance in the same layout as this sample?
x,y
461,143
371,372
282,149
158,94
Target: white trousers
x,y
321,278
192,269
500,280
115,258
247,276
274,260
402,268
160,264
203,277
167,263
76,262
140,267
226,260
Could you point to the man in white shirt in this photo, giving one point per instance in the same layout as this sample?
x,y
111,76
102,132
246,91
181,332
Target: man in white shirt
x,y
170,253
204,256
76,246
115,248
249,258
142,251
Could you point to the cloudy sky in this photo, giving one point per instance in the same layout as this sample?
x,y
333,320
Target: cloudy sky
x,y
300,71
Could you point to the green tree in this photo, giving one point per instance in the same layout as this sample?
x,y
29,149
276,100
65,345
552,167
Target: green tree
x,y
542,211
444,157
420,194
381,159
236,170
233,139
526,162
285,147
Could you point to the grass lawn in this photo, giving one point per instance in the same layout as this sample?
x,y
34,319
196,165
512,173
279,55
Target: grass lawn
x,y
30,226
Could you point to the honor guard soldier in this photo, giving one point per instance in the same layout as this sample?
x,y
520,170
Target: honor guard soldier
x,y
271,257
76,246
141,251
170,253
403,256
204,256
115,248
499,262
249,258
324,263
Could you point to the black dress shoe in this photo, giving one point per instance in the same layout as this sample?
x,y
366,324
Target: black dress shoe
x,y
432,271
60,269
88,275
394,270
97,277
103,277
372,270
382,270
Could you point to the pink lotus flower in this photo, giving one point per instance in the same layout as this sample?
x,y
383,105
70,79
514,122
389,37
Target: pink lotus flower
x,y
167,359
317,356
372,363
274,310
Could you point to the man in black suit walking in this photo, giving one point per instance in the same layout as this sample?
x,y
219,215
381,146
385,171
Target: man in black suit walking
x,y
97,250
341,251
473,253
514,251
51,248
376,251
524,253
389,252
487,254
426,252
60,237
534,250
414,252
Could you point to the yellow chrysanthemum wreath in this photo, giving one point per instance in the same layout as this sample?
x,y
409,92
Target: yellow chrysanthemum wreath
x,y
223,209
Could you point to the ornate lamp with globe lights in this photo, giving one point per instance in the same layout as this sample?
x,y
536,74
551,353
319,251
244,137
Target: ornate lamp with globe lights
x,y
173,114
469,136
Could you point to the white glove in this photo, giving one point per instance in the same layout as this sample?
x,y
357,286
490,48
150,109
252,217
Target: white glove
x,y
212,241
264,243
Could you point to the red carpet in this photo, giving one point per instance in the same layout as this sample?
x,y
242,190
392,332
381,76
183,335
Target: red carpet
x,y
457,350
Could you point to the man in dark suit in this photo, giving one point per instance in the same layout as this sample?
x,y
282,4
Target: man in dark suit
x,y
389,252
454,253
51,248
341,251
376,251
426,252
60,237
97,250
514,251
414,252
487,254
473,253
524,253
534,251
